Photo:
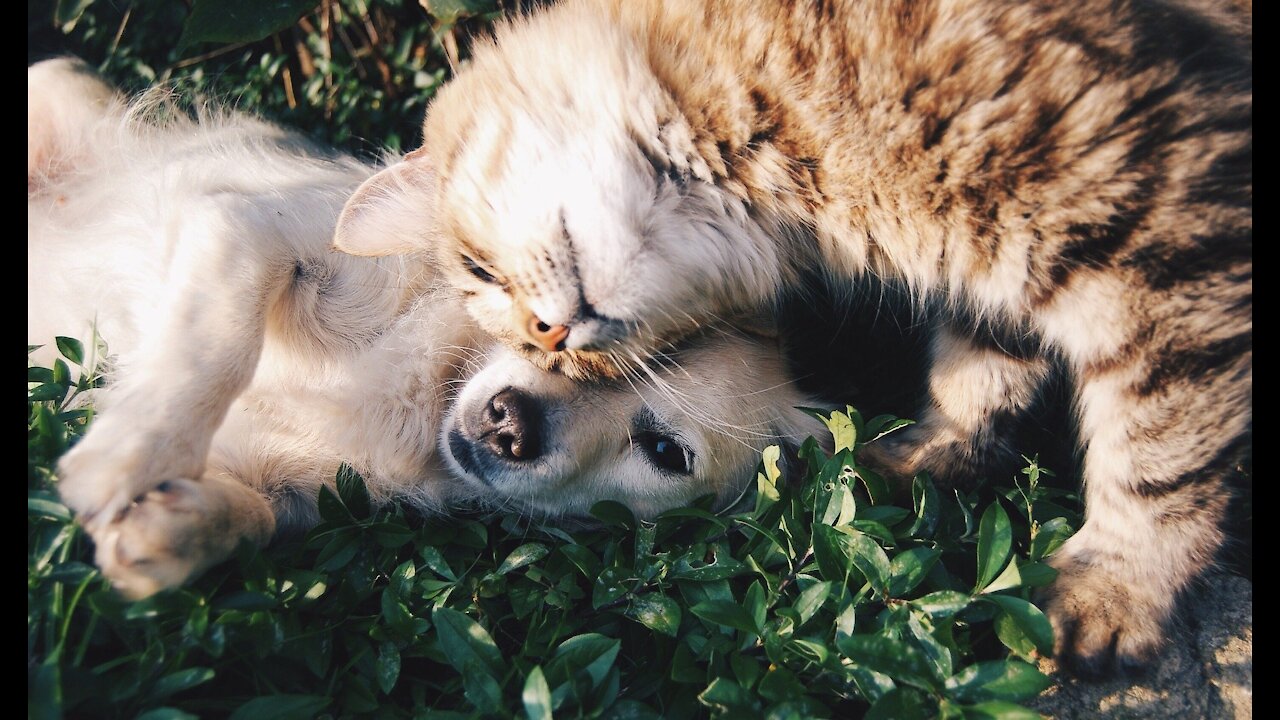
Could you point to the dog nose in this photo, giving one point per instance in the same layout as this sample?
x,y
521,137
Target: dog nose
x,y
550,338
511,426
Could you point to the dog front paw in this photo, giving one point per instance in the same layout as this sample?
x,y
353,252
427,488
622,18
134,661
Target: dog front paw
x,y
174,532
1104,623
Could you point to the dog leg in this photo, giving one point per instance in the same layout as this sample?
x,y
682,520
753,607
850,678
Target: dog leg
x,y
228,261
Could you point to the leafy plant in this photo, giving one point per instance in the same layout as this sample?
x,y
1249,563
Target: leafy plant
x,y
823,599
354,73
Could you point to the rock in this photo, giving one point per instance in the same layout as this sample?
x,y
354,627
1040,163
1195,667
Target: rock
x,y
1206,670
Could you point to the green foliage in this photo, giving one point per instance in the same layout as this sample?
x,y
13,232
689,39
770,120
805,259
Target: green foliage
x,y
815,602
354,73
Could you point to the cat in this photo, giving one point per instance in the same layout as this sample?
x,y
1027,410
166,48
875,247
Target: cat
x,y
1061,182
250,362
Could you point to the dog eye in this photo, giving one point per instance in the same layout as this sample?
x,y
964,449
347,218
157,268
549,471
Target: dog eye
x,y
479,272
666,453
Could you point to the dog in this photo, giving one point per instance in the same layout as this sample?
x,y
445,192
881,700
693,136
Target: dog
x,y
248,360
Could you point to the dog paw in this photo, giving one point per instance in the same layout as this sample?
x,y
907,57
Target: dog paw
x,y
171,534
108,472
1103,623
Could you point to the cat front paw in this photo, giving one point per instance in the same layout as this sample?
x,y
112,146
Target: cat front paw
x,y
173,533
1104,623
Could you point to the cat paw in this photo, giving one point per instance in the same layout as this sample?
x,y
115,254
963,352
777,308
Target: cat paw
x,y
1103,623
905,454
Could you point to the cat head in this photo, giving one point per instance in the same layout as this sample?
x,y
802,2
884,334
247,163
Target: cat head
x,y
525,440
563,194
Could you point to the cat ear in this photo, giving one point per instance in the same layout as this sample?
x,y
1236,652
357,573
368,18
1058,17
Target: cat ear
x,y
391,213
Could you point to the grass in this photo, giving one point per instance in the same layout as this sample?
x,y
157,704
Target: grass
x,y
824,599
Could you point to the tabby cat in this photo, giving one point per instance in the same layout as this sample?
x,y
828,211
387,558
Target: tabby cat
x,y
1067,181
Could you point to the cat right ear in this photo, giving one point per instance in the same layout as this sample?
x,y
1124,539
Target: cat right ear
x,y
391,213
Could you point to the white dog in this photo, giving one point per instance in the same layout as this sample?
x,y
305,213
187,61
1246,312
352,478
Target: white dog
x,y
249,360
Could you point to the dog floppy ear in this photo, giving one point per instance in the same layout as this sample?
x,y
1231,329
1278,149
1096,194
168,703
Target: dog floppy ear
x,y
392,212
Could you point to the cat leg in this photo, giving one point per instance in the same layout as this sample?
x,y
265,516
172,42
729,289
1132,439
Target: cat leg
x,y
977,391
177,530
227,263
1164,432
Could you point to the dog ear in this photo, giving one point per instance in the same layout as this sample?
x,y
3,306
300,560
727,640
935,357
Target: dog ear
x,y
392,212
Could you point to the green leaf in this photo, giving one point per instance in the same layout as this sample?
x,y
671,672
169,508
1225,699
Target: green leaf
x,y
728,614
937,653
483,691
613,514
352,491
656,612
909,568
902,704
1029,620
582,558
238,21
630,710
1012,636
612,584
167,713
1029,575
725,694
877,489
39,375
900,660
811,599
999,710
466,644
432,558
526,554
943,603
592,653
995,541
48,508
724,567
67,12
1035,574
997,680
282,707
767,482
176,682
858,550
537,695
47,392
71,349
927,506
1051,535
449,12
882,425
387,666
843,433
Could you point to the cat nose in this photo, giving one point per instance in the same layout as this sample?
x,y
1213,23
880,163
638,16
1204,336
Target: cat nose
x,y
511,426
550,338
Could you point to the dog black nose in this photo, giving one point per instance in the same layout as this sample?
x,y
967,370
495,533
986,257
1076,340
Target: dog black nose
x,y
511,426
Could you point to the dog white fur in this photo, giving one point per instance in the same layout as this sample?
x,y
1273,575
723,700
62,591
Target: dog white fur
x,y
249,360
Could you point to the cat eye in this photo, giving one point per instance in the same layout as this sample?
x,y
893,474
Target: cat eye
x,y
665,453
480,273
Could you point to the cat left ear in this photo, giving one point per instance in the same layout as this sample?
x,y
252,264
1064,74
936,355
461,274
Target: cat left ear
x,y
391,213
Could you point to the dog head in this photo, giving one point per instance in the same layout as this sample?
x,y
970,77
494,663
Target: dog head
x,y
527,440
